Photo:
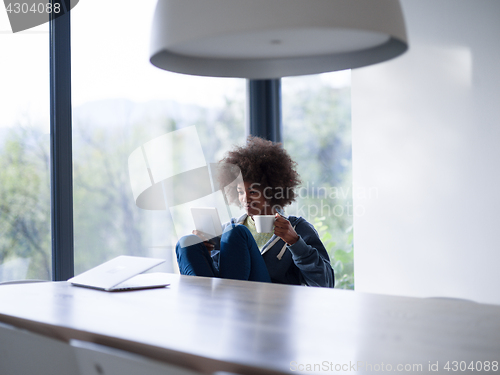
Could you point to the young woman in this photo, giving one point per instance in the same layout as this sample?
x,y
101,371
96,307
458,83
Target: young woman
x,y
292,254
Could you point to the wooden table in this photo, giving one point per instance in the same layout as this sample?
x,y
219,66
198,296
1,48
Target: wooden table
x,y
256,328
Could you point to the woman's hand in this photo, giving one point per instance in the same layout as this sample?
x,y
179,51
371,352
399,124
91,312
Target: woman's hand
x,y
283,229
204,237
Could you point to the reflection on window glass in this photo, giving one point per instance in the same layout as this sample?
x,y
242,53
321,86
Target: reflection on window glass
x,y
120,103
25,237
317,134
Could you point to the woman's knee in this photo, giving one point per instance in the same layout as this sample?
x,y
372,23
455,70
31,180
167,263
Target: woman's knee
x,y
238,230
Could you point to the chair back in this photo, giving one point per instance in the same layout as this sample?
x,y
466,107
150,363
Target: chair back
x,y
26,353
94,359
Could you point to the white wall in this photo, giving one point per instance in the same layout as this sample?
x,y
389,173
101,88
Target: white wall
x,y
426,139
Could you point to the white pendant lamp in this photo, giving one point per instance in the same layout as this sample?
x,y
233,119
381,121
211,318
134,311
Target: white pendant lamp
x,y
265,39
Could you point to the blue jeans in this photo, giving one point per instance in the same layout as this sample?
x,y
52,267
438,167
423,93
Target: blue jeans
x,y
239,259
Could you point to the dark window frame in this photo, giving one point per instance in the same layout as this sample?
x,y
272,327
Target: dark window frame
x,y
61,159
264,98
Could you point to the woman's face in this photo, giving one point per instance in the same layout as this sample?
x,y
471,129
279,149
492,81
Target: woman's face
x,y
253,200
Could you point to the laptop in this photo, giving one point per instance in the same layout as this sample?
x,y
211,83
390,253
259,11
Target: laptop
x,y
122,273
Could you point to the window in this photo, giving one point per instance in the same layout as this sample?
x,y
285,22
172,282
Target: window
x,y
317,134
120,103
25,236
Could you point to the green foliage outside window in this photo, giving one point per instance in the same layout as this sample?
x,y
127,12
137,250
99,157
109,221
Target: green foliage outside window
x,y
25,201
317,134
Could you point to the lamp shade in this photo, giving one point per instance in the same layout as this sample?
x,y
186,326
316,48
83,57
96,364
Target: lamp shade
x,y
265,39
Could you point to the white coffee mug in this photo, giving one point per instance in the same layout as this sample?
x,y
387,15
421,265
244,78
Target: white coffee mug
x,y
264,223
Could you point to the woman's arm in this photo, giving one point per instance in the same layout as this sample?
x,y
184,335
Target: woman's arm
x,y
308,252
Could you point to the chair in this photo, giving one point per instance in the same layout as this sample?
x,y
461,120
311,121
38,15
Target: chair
x,y
94,359
26,353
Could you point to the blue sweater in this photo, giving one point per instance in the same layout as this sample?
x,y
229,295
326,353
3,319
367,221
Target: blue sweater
x,y
306,262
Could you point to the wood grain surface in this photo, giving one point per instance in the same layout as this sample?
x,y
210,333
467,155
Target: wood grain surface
x,y
210,324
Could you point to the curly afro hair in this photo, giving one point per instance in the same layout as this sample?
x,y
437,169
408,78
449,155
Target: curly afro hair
x,y
267,165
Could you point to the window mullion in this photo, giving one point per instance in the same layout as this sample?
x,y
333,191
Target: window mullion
x,y
61,148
